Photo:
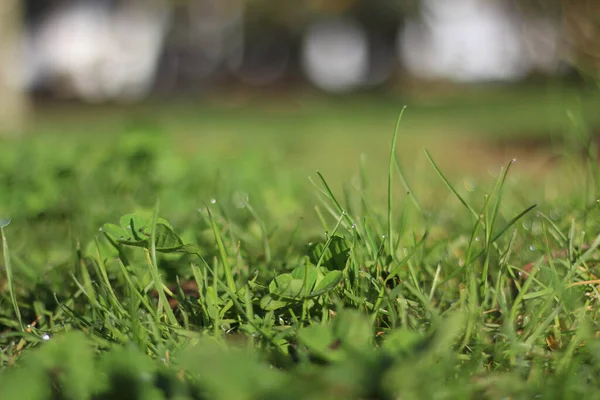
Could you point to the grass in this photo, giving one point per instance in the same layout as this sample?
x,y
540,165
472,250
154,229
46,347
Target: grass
x,y
245,282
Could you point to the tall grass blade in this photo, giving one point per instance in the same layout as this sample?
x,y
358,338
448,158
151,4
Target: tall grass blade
x,y
163,303
222,254
9,278
390,224
449,185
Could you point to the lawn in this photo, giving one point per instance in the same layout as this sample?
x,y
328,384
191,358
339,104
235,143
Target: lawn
x,y
252,247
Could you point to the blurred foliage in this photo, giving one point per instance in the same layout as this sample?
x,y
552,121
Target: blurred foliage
x,y
219,291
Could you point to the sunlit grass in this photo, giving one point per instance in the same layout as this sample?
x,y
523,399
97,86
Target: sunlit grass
x,y
249,282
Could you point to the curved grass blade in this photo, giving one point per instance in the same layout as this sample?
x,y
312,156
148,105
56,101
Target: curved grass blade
x,y
390,181
332,197
449,185
158,285
222,253
9,277
496,237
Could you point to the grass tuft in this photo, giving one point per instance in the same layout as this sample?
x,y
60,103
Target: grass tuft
x,y
358,296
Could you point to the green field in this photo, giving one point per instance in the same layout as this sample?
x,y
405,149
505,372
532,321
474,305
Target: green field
x,y
269,247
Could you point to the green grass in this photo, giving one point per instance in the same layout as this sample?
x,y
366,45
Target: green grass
x,y
156,264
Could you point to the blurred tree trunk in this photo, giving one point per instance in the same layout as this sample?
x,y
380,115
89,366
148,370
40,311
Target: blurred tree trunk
x,y
582,25
13,99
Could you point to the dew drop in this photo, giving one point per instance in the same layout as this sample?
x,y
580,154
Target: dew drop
x,y
514,160
383,236
45,336
532,248
4,222
477,239
213,201
353,226
100,229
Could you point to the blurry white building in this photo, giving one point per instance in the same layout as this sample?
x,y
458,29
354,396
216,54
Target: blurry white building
x,y
476,40
101,50
335,54
96,52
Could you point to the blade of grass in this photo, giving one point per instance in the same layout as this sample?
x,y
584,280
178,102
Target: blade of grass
x,y
9,278
335,201
163,303
489,228
222,253
390,227
263,230
404,181
449,185
496,237
321,257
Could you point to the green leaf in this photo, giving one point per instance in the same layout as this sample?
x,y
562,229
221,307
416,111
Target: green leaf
x,y
166,239
402,341
71,354
285,286
321,342
138,226
268,303
229,373
313,275
335,256
135,230
291,286
117,233
329,282
353,328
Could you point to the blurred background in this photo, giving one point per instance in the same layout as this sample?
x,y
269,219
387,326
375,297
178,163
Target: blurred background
x,y
99,51
312,84
107,105
125,50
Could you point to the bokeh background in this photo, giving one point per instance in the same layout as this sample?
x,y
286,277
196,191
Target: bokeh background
x,y
125,50
126,101
420,52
